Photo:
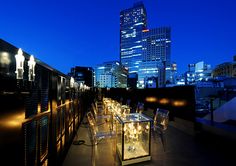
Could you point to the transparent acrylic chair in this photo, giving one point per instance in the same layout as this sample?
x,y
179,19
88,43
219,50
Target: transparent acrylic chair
x,y
160,124
95,133
100,116
99,106
140,107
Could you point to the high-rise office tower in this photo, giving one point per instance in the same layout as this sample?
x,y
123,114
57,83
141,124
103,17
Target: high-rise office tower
x,y
132,22
111,75
156,46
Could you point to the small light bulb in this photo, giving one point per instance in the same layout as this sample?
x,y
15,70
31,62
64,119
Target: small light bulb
x,y
139,128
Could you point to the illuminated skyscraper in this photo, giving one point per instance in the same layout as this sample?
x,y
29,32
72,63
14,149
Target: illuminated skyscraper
x,y
132,22
145,52
156,47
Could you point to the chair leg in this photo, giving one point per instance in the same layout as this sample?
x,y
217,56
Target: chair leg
x,y
160,135
163,140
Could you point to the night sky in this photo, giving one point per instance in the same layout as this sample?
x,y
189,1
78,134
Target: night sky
x,y
66,33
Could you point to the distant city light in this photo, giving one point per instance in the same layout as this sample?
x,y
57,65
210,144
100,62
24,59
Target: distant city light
x,y
72,81
102,67
145,30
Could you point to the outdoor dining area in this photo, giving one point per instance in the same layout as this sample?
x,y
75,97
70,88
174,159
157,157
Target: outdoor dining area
x,y
129,132
112,134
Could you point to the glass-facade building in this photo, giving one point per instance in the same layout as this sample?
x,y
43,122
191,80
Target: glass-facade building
x,y
111,75
132,22
156,44
145,52
200,72
147,70
156,50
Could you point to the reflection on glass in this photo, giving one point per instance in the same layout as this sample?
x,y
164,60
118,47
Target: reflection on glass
x,y
133,138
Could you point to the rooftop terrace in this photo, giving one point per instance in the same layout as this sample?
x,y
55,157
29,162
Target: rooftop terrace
x,y
181,149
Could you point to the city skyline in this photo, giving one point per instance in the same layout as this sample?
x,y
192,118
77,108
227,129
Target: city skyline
x,y
62,33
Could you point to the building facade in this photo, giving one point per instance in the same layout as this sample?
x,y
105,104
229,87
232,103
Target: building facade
x,y
145,52
111,75
227,69
84,75
198,72
156,52
132,22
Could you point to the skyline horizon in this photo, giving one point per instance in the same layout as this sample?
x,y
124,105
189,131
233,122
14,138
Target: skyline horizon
x,y
110,61
69,42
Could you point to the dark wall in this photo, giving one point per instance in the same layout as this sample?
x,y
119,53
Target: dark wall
x,y
180,101
38,119
83,74
11,135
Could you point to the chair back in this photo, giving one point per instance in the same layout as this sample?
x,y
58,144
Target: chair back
x,y
92,126
94,110
161,119
95,133
140,107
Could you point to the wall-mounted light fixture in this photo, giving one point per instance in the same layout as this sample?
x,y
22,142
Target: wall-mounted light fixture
x,y
151,99
4,59
164,101
4,62
81,86
76,86
19,64
179,103
31,65
72,81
